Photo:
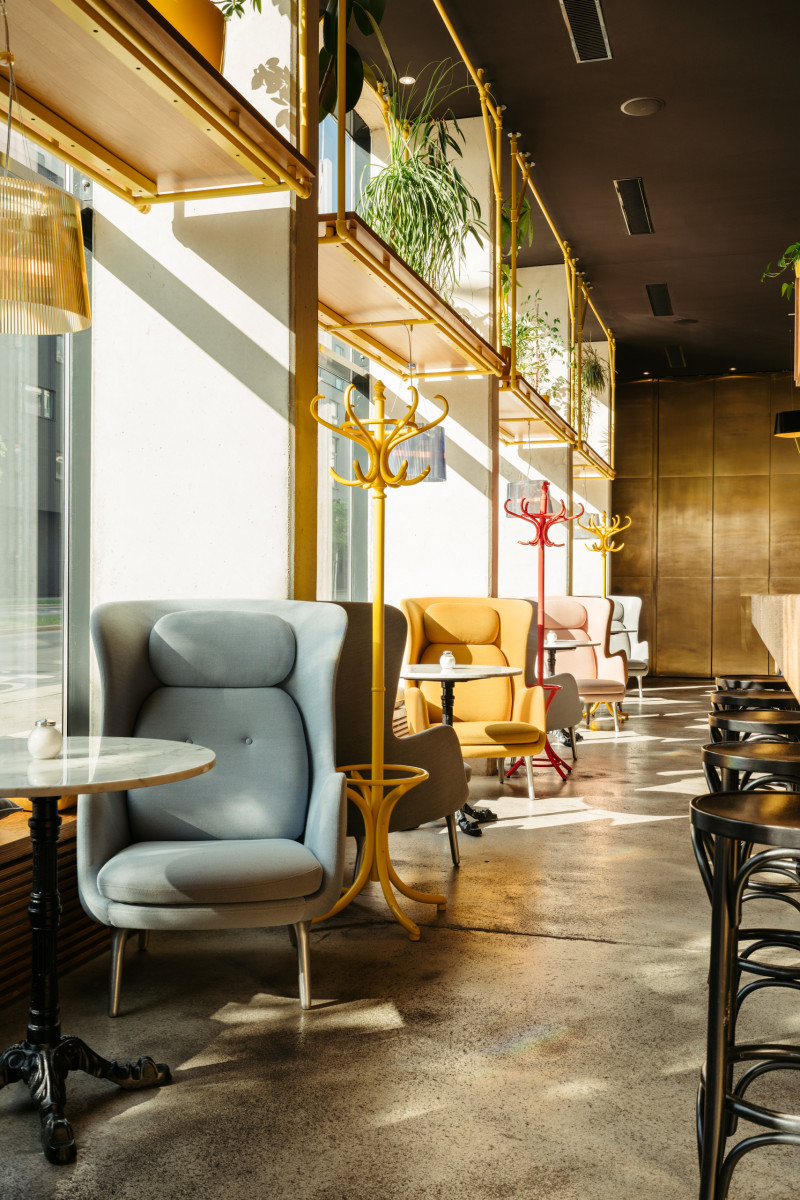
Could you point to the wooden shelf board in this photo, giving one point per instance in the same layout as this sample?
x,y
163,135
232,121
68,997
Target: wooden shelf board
x,y
110,86
365,286
523,413
588,464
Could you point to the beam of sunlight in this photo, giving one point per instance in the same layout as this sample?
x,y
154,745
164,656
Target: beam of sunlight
x,y
362,1014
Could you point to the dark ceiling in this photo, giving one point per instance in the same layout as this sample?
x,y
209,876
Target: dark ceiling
x,y
719,163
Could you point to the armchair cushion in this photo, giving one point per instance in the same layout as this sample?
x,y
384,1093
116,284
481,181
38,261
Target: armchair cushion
x,y
195,648
488,733
602,688
252,792
210,872
453,623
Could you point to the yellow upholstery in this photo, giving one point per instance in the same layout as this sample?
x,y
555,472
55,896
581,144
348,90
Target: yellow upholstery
x,y
493,718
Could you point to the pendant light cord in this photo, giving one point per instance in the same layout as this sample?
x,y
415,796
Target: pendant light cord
x,y
8,59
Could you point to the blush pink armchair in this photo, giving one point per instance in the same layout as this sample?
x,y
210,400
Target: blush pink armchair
x,y
601,676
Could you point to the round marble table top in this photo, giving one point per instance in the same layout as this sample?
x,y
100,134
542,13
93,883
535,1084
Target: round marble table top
x,y
567,644
98,764
459,673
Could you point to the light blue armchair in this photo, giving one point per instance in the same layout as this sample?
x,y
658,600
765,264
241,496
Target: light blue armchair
x,y
625,636
257,842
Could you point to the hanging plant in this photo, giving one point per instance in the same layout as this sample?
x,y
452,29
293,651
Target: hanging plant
x,y
785,263
524,234
594,380
419,202
368,15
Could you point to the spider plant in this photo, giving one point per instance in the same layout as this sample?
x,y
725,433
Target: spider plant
x,y
419,202
594,380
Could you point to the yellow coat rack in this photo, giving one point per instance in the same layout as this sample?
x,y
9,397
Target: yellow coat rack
x,y
376,787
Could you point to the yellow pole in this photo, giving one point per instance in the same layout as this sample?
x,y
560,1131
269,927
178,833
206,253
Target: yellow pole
x,y
378,603
498,241
612,368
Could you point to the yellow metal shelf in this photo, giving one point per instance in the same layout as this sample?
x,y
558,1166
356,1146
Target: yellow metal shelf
x,y
370,299
113,89
527,416
588,464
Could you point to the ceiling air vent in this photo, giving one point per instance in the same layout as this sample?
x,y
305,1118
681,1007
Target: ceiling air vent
x,y
658,294
633,202
587,29
675,356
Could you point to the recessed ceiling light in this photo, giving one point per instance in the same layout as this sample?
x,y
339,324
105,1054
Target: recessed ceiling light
x,y
645,372
407,79
733,368
642,106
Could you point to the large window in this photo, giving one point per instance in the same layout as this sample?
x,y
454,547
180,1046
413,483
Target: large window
x,y
34,377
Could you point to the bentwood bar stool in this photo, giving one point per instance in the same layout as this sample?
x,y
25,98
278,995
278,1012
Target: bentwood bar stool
x,y
725,827
764,683
754,724
752,698
729,766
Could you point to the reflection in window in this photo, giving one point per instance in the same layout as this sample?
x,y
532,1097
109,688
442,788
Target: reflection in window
x,y
33,415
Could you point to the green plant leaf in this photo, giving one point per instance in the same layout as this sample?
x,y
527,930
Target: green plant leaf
x,y
354,77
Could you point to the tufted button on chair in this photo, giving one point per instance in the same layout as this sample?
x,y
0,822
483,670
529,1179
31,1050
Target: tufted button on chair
x,y
625,636
492,718
259,841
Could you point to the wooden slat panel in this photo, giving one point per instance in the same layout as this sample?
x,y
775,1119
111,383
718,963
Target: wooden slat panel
x,y
741,525
684,527
736,644
685,427
80,937
742,426
643,586
683,627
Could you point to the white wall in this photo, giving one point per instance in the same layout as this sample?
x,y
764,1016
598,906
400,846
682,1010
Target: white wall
x,y
192,353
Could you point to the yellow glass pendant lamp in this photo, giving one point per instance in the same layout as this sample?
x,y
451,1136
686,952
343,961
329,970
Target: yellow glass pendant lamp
x,y
43,283
202,24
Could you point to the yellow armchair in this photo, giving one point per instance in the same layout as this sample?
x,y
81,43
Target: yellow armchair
x,y
493,718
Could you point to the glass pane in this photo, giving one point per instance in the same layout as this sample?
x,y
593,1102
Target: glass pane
x,y
32,468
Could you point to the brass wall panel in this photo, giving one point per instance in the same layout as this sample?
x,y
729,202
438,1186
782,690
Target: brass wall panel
x,y
685,427
736,645
741,525
785,459
634,498
684,527
742,425
784,526
644,586
683,627
634,451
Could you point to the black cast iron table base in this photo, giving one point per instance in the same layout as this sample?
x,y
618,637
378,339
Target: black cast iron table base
x,y
45,1058
469,819
45,1068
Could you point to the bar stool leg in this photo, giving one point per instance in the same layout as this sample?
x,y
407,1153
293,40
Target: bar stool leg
x,y
721,1000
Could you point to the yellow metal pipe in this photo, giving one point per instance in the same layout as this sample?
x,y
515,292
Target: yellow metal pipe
x,y
464,57
378,324
221,193
304,106
498,241
341,79
513,282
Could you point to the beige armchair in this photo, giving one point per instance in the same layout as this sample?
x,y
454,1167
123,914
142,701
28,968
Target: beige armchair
x,y
492,718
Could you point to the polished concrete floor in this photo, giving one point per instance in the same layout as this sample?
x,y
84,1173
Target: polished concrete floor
x,y
542,1040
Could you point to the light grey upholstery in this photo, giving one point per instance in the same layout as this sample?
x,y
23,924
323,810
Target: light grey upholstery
x,y
626,615
259,840
437,749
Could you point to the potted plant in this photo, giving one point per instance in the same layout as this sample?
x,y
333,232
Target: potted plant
x,y
541,353
594,380
419,202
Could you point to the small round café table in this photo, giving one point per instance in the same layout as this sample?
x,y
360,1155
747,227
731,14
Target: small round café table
x,y
469,818
105,764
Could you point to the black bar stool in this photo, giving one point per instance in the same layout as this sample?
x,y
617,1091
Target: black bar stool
x,y
754,724
724,826
764,683
777,764
752,698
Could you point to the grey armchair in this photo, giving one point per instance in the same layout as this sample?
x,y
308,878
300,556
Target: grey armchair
x,y
437,749
257,842
565,710
625,636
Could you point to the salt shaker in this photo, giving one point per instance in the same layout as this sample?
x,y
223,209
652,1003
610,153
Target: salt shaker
x,y
447,660
44,740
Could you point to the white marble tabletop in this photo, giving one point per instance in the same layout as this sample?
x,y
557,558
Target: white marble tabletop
x,y
98,764
460,673
566,644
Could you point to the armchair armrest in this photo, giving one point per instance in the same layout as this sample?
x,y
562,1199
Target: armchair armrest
x,y
416,709
532,708
325,835
640,651
103,830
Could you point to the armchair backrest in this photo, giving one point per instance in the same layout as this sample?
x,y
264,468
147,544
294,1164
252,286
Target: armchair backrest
x,y
490,632
582,619
251,679
628,611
